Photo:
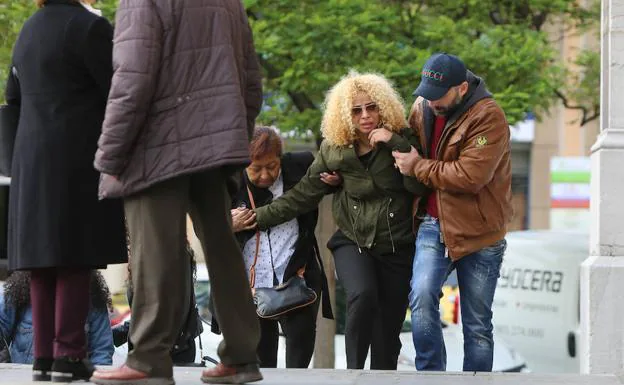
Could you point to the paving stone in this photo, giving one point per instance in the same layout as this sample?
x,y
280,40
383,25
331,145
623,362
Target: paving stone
x,y
14,374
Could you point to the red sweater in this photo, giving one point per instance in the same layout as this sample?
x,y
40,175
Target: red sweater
x,y
438,127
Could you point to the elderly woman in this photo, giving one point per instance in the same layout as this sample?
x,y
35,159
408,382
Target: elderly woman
x,y
284,248
363,122
58,230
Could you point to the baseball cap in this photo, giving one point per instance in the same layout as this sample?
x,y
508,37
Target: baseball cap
x,y
441,72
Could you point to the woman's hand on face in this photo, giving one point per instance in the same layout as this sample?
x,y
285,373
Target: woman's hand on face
x,y
379,135
332,178
243,219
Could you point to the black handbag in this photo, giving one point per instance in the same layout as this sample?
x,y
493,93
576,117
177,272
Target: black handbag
x,y
277,301
9,118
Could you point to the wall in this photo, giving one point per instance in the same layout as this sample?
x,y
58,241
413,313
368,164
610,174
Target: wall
x,y
558,133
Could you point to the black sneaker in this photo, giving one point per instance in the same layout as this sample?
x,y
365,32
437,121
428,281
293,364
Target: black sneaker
x,y
42,368
66,369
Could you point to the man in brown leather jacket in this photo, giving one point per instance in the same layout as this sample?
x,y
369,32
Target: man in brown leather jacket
x,y
185,93
466,164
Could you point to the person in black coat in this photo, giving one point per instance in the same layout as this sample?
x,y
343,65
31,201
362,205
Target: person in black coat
x,y
61,74
284,249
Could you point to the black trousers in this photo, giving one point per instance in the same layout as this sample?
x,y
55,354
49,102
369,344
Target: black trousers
x,y
377,287
300,331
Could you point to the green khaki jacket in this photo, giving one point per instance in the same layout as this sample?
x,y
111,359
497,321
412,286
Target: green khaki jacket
x,y
372,207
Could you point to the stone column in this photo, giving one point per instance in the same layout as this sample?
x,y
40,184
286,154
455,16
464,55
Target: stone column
x,y
324,349
602,274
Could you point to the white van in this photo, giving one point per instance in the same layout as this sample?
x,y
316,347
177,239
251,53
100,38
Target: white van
x,y
536,305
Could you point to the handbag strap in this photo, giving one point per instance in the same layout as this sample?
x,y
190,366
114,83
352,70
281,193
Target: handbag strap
x,y
252,269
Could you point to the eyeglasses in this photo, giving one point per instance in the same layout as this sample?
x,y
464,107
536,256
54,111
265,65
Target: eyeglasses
x,y
370,107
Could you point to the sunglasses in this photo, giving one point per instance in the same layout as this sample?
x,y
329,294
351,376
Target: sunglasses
x,y
370,107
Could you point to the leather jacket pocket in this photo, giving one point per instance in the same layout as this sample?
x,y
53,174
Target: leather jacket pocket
x,y
489,210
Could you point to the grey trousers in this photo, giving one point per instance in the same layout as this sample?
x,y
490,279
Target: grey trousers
x,y
156,220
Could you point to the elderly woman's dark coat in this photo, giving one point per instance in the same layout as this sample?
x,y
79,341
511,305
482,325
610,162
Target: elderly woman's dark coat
x,y
62,72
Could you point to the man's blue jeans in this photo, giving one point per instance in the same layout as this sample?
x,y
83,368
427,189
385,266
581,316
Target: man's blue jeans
x,y
477,274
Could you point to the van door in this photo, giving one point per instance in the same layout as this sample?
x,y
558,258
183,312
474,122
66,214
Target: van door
x,y
536,305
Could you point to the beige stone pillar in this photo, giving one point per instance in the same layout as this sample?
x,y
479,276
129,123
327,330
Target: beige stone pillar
x,y
602,274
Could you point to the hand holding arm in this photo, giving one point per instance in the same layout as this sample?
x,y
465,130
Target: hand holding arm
x,y
406,161
331,178
243,219
302,198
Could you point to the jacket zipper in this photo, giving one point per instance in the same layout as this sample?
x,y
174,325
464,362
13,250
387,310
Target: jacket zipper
x,y
441,222
446,133
357,215
354,223
452,127
388,221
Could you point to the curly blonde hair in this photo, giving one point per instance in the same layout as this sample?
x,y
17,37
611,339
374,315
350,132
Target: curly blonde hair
x,y
337,126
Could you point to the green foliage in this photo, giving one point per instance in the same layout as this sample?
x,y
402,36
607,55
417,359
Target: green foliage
x,y
108,8
13,13
583,87
305,47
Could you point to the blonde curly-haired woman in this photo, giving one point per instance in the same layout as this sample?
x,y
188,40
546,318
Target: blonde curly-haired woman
x,y
363,122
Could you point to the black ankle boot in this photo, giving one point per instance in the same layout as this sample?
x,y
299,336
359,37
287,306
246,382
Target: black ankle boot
x,y
66,369
42,368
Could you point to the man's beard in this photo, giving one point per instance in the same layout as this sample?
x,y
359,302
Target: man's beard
x,y
448,110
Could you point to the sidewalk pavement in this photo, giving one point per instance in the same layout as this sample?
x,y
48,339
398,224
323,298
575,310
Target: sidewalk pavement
x,y
21,374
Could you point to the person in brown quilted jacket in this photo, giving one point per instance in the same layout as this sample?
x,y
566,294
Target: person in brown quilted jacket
x,y
185,93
